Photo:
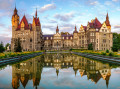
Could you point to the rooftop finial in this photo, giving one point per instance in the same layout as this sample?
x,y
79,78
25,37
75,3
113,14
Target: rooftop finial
x,y
36,13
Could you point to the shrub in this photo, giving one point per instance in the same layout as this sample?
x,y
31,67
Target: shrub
x,y
103,53
107,51
71,49
111,54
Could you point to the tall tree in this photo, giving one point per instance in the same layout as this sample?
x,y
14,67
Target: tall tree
x,y
2,49
18,47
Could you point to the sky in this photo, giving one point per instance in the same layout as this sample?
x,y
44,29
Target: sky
x,y
64,13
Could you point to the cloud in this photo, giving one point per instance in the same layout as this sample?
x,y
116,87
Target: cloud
x,y
48,26
118,8
64,17
47,7
5,40
108,3
115,0
53,21
92,2
6,4
117,26
2,25
67,27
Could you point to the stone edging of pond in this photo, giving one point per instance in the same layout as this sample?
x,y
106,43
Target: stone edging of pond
x,y
99,57
6,61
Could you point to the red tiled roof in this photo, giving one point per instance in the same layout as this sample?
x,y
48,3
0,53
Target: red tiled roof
x,y
25,22
97,24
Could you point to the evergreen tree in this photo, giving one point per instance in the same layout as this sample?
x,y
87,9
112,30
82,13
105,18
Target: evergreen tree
x,y
2,49
18,47
90,46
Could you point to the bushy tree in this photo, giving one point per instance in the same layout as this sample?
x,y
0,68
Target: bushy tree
x,y
18,47
90,46
2,49
116,42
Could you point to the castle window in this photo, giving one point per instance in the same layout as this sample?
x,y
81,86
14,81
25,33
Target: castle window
x,y
104,40
71,37
67,37
30,39
104,35
63,37
103,30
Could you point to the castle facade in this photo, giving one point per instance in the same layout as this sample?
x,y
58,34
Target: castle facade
x,y
32,39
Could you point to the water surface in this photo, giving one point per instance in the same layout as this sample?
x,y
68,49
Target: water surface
x,y
60,71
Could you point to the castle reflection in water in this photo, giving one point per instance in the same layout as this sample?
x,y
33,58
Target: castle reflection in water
x,y
32,69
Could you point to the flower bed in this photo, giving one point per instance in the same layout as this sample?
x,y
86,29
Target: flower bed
x,y
13,54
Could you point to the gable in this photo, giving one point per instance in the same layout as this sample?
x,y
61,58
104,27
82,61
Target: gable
x,y
104,28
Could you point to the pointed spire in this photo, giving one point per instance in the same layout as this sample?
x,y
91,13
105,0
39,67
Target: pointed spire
x,y
15,10
107,20
75,28
36,13
57,29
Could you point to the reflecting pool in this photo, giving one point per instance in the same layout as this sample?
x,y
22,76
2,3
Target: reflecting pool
x,y
60,71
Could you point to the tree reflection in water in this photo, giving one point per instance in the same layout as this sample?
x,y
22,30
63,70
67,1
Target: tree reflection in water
x,y
32,69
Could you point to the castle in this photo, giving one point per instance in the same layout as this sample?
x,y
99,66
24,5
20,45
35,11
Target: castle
x,y
32,38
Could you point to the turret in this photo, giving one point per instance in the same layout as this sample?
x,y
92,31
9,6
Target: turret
x,y
57,29
15,19
75,31
36,21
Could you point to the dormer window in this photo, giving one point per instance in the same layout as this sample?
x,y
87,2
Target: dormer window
x,y
51,37
71,37
47,38
63,37
67,37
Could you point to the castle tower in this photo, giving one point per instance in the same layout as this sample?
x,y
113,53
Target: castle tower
x,y
57,29
15,21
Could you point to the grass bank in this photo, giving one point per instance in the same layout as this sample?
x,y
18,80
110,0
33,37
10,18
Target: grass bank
x,y
105,53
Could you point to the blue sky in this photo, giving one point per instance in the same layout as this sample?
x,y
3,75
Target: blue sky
x,y
65,13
